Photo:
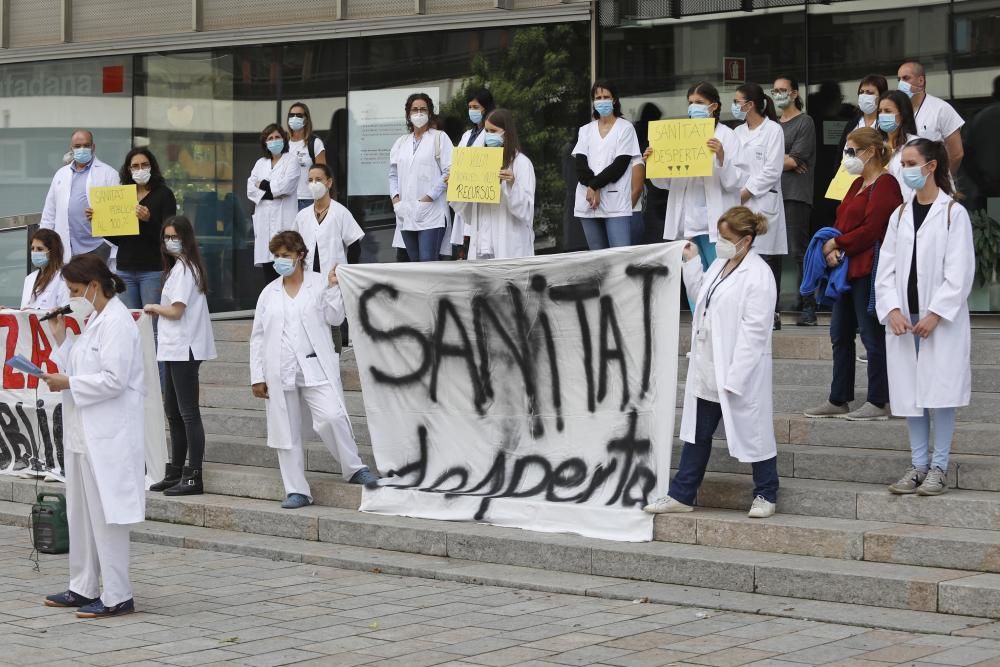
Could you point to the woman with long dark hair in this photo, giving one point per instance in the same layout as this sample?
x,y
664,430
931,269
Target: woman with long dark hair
x,y
185,340
896,121
44,288
504,230
271,187
138,259
307,148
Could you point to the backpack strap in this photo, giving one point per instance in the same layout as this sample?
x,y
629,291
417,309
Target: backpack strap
x,y
311,147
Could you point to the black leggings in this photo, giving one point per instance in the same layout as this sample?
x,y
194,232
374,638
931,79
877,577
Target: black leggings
x,y
180,402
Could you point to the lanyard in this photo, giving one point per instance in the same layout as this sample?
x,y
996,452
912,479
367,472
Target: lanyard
x,y
719,279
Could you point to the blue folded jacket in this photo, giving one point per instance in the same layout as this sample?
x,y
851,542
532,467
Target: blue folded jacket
x,y
818,278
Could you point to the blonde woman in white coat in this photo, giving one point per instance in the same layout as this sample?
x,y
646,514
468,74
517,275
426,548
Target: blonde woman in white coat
x,y
102,394
925,274
293,364
763,143
695,202
271,187
504,230
419,163
729,373
44,288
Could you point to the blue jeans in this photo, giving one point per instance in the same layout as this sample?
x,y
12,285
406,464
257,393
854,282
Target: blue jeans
x,y
850,313
604,233
920,431
141,288
305,203
424,245
637,227
706,251
694,460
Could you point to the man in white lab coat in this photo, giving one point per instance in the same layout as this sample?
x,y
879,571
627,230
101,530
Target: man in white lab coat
x,y
67,204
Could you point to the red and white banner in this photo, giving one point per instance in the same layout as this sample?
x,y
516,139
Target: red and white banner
x,y
31,420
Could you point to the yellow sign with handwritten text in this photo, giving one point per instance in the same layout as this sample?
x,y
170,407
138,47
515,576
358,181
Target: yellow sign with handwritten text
x,y
114,211
679,148
840,184
475,175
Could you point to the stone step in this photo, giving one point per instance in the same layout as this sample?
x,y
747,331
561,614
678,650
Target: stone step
x,y
528,578
255,452
810,577
242,398
970,437
237,374
253,424
232,330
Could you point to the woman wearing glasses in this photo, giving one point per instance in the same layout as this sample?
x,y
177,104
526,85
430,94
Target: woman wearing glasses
x,y
862,219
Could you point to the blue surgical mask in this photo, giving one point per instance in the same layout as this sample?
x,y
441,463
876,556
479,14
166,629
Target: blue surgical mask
x,y
738,113
914,177
295,123
83,155
887,122
493,140
275,146
604,107
39,259
698,111
476,116
284,266
905,88
867,102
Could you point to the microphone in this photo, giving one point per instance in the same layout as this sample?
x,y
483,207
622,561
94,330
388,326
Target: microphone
x,y
65,310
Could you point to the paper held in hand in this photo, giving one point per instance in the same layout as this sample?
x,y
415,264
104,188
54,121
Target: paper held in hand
x,y
679,148
114,211
840,184
475,175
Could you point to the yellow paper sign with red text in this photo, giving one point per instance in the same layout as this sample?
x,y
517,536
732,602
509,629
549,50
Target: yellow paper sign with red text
x,y
679,148
114,211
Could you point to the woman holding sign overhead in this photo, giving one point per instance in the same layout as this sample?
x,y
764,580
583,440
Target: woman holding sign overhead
x,y
504,230
604,151
695,202
764,147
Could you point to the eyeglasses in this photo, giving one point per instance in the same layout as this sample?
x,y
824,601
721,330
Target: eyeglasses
x,y
136,167
739,102
296,115
779,91
171,237
850,152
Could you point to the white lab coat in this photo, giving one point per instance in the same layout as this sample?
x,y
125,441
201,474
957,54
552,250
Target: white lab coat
x,y
742,315
271,216
461,228
616,196
764,152
55,295
338,230
105,367
722,188
506,228
55,214
265,347
417,173
941,375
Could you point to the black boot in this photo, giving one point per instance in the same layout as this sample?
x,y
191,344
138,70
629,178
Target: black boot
x,y
170,478
190,484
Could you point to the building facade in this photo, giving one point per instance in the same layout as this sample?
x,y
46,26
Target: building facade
x,y
196,81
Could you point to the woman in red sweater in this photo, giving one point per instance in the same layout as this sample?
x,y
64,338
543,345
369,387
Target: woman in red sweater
x,y
862,219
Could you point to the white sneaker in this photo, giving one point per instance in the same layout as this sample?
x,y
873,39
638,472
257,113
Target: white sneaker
x,y
761,508
666,505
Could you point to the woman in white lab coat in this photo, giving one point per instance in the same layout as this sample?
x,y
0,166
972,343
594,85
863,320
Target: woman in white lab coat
x,y
763,143
604,151
695,202
271,187
293,364
504,230
922,289
331,234
481,105
729,373
895,119
102,396
44,288
419,162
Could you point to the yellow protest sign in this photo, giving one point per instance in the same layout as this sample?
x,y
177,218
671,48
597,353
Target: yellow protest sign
x,y
679,149
475,175
840,184
114,211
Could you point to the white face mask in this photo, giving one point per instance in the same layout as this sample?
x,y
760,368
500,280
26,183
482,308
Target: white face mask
x,y
141,176
726,249
81,306
418,119
317,189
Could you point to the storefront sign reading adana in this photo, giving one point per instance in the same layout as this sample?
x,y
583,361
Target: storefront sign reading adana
x,y
537,393
31,419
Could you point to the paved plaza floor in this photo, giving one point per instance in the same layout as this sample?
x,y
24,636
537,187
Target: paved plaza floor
x,y
205,608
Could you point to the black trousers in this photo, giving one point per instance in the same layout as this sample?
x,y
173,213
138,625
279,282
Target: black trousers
x,y
180,402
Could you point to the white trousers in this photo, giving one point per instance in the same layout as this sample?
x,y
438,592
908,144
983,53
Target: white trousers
x,y
331,424
97,550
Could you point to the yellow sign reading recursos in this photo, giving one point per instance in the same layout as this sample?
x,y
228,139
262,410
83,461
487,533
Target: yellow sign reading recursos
x,y
679,148
475,175
114,211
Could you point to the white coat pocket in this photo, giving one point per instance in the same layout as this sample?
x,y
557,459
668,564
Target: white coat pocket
x,y
766,204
